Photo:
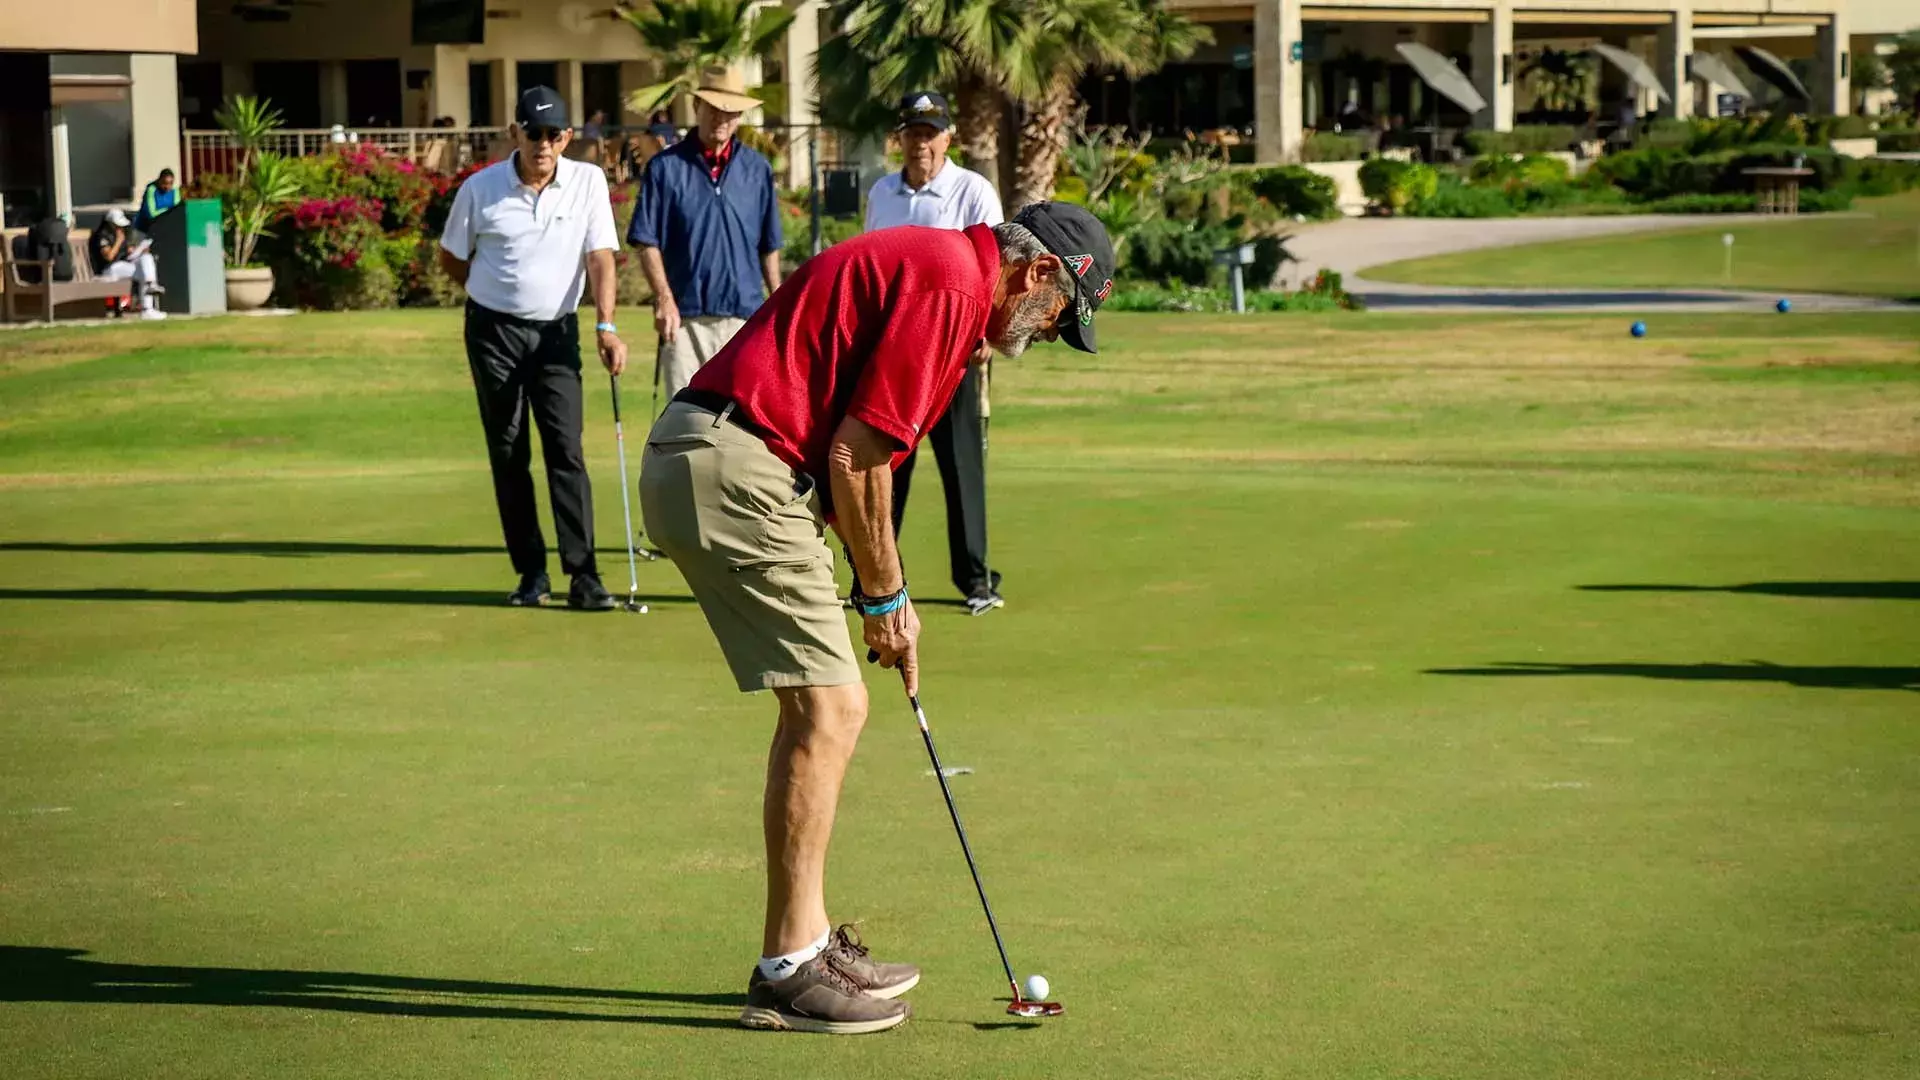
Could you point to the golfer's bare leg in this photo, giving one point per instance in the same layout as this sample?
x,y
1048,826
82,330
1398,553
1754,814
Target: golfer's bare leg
x,y
819,728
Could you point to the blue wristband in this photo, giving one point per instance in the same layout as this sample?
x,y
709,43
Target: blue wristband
x,y
605,328
886,607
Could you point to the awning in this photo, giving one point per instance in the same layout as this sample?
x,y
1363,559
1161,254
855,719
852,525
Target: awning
x,y
1711,69
1774,70
1443,75
1637,71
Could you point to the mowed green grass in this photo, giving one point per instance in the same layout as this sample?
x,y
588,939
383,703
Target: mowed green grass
x,y
1377,697
1872,251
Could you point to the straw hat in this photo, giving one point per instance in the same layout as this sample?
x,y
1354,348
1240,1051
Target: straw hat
x,y
724,89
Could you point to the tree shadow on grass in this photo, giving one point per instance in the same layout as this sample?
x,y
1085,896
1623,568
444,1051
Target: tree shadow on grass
x,y
286,549
31,973
1837,590
418,597
1827,678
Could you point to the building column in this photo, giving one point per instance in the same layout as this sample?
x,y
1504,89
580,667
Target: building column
x,y
506,90
156,116
450,97
573,88
333,93
1276,81
62,146
634,74
1833,66
1672,45
803,41
1493,68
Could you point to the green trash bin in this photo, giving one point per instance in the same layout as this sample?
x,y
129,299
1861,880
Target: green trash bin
x,y
192,260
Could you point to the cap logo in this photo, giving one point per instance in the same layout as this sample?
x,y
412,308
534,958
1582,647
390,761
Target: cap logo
x,y
543,108
1105,288
1080,264
924,104
1086,314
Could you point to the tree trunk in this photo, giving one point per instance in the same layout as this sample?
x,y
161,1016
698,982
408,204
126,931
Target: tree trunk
x,y
977,106
1042,139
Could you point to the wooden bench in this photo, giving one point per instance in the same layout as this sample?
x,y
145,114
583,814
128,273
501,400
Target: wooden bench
x,y
50,292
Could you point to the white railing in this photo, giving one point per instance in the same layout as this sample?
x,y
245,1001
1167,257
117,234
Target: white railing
x,y
442,149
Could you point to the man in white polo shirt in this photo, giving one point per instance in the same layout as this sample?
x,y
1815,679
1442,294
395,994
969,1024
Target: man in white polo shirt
x,y
523,236
929,190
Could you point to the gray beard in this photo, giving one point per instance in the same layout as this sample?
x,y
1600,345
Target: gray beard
x,y
1029,319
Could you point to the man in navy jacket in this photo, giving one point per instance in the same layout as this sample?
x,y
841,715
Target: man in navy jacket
x,y
707,223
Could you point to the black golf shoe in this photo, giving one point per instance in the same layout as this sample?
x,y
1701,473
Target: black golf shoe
x,y
587,594
533,591
981,601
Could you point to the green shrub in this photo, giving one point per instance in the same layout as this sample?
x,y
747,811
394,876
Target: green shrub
x,y
1826,202
1452,198
1701,203
1646,175
1170,250
1898,142
1295,191
1394,185
1507,171
1332,146
1525,139
1323,293
1882,176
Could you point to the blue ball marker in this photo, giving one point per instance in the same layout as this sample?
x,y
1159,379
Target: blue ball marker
x,y
1783,305
1639,329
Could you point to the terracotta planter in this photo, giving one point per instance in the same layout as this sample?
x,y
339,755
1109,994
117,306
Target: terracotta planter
x,y
248,289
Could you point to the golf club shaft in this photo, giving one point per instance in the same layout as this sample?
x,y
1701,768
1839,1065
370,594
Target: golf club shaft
x,y
626,504
946,792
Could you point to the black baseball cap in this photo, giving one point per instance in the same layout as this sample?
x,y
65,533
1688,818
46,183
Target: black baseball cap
x,y
1080,240
927,107
542,107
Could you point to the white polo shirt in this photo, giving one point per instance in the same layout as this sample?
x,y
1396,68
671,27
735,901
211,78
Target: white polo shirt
x,y
529,250
955,198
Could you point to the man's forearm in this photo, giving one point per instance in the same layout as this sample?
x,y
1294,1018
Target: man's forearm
x,y
770,270
863,516
656,270
455,268
605,283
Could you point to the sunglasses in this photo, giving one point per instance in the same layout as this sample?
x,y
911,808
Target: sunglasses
x,y
544,134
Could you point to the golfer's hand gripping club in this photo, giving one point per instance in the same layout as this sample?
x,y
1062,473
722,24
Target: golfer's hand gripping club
x,y
893,642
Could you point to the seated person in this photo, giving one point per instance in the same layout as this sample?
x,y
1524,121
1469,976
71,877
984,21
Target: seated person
x,y
161,196
118,256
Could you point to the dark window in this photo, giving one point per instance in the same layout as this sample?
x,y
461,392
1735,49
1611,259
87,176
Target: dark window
x,y
291,86
449,22
199,92
600,87
480,95
545,73
373,93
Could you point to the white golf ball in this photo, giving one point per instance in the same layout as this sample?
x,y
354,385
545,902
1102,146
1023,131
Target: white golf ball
x,y
643,609
1037,988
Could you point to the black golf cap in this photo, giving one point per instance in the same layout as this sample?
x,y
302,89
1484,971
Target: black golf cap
x,y
1080,240
542,107
927,107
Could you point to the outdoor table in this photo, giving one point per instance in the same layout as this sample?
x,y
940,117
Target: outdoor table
x,y
1776,188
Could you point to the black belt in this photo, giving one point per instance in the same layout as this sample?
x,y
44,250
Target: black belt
x,y
724,407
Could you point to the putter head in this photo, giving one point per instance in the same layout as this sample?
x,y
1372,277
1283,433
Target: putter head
x,y
632,604
1021,1007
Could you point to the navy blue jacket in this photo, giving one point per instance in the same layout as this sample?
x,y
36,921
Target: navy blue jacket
x,y
710,235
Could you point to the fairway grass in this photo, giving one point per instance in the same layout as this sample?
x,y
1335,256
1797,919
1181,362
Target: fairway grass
x,y
1376,698
1872,251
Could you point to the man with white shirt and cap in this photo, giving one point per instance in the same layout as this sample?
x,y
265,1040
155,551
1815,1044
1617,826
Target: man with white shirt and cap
x,y
932,191
524,237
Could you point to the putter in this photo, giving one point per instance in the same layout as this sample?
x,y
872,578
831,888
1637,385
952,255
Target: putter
x,y
626,502
1020,1005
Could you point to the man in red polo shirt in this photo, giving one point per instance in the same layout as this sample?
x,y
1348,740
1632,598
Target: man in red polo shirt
x,y
798,421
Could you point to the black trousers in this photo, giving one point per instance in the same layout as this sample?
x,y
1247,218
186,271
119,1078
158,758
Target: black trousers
x,y
521,366
957,449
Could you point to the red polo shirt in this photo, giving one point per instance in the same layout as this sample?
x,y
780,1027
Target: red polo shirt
x,y
879,327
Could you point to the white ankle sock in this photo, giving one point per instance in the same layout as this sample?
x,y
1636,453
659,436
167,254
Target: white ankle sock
x,y
775,968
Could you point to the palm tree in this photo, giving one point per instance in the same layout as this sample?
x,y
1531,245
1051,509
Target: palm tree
x,y
689,36
884,49
1067,39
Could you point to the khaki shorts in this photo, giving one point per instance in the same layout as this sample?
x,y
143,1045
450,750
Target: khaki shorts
x,y
699,339
746,532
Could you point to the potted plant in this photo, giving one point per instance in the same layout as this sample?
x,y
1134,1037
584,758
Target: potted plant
x,y
262,185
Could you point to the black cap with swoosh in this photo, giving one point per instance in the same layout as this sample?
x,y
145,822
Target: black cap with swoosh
x,y
542,107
